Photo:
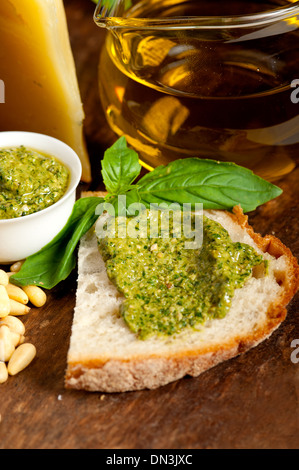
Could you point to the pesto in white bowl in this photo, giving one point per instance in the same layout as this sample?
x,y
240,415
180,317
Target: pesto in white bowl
x,y
23,236
29,181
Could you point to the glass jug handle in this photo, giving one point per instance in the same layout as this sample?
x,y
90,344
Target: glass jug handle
x,y
110,9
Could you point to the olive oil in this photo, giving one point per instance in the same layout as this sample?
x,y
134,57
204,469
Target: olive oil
x,y
204,91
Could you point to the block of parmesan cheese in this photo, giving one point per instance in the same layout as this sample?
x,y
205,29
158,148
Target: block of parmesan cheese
x,y
38,71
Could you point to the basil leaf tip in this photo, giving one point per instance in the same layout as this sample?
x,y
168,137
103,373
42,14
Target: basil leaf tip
x,y
120,167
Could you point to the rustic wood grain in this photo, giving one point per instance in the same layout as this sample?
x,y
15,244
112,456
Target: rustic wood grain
x,y
248,402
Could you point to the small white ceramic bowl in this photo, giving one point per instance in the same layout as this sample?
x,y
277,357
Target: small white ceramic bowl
x,y
24,236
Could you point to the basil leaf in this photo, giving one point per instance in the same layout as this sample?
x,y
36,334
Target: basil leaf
x,y
54,262
120,167
217,185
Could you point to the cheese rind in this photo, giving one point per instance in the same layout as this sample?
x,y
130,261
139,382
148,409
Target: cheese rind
x,y
38,70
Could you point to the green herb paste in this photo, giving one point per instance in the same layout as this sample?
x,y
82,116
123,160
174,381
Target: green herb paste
x,y
29,182
168,287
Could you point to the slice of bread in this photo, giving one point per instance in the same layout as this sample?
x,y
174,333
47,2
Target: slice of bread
x,y
104,355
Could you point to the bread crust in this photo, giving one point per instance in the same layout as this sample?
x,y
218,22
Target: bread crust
x,y
154,370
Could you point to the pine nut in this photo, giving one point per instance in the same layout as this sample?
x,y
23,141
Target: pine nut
x,y
21,358
4,302
36,295
16,293
15,338
15,267
3,278
3,373
14,324
6,345
22,339
16,308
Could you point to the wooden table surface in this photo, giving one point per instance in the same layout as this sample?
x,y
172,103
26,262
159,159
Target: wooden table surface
x,y
248,402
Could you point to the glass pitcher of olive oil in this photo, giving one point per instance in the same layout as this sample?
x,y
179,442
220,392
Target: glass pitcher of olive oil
x,y
209,79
